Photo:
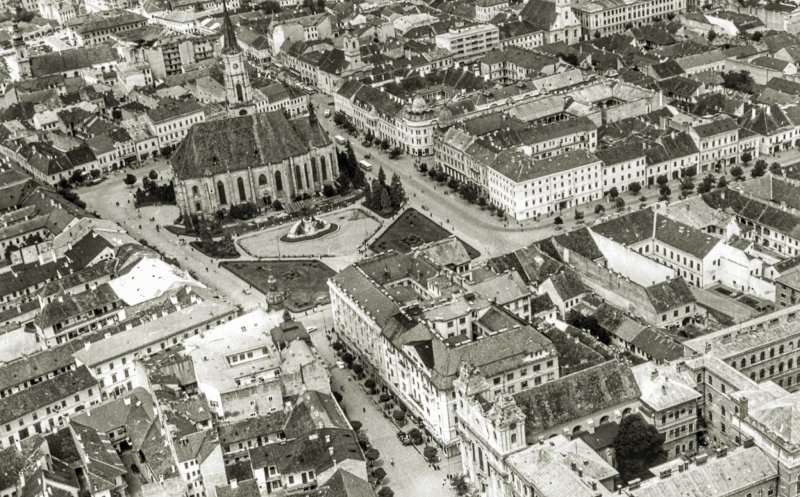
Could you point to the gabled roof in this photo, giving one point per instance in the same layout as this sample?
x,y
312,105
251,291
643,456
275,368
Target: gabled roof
x,y
72,60
234,144
317,451
576,395
45,393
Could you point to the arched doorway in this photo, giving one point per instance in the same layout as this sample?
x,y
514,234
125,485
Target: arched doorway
x,y
278,181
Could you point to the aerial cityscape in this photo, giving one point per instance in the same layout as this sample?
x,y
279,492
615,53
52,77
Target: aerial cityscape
x,y
321,248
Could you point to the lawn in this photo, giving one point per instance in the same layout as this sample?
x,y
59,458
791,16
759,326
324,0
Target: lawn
x,y
411,230
304,282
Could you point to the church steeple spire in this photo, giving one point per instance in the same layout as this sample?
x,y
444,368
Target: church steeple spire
x,y
229,43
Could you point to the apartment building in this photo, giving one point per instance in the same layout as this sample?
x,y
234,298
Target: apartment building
x,y
622,165
69,316
114,359
378,304
607,17
100,27
670,403
526,187
718,143
469,42
46,406
171,120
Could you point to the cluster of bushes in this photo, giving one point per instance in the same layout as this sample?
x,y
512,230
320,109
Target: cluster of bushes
x,y
384,198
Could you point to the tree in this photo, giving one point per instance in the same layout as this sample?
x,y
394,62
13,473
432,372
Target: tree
x,y
638,445
385,492
356,425
95,173
738,81
130,179
395,153
348,358
277,205
287,316
662,180
578,215
328,190
358,369
599,209
619,202
379,474
270,7
429,452
635,187
370,384
737,172
152,174
747,157
386,201
613,193
707,184
460,482
423,167
558,221
664,192
399,415
759,169
756,37
382,176
77,177
712,35
775,169
397,194
384,397
722,183
372,454
687,185
247,210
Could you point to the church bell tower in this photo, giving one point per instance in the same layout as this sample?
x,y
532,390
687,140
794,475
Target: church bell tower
x,y
238,92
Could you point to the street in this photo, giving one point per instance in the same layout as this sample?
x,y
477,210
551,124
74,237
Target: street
x,y
113,200
411,476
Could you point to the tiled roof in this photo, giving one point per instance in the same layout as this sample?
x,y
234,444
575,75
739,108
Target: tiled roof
x,y
519,167
670,294
318,451
733,474
576,395
236,143
45,393
72,60
247,488
717,127
628,229
251,428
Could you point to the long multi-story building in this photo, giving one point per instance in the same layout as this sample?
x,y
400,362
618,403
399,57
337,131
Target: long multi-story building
x,y
526,187
410,323
607,17
469,42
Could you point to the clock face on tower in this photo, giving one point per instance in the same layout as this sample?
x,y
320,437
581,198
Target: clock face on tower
x,y
235,65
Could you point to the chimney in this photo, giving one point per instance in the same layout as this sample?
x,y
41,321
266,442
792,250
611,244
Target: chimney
x,y
541,440
701,459
634,484
330,451
722,452
568,433
753,113
590,425
234,484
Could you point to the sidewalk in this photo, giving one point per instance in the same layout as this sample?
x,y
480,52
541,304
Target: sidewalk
x,y
410,476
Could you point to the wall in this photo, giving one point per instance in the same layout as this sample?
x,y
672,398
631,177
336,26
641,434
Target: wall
x,y
632,265
260,398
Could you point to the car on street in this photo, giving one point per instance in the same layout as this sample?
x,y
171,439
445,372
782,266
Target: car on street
x,y
135,469
340,364
327,113
311,329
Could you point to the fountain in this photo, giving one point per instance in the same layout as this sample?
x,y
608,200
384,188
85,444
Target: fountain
x,y
307,228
